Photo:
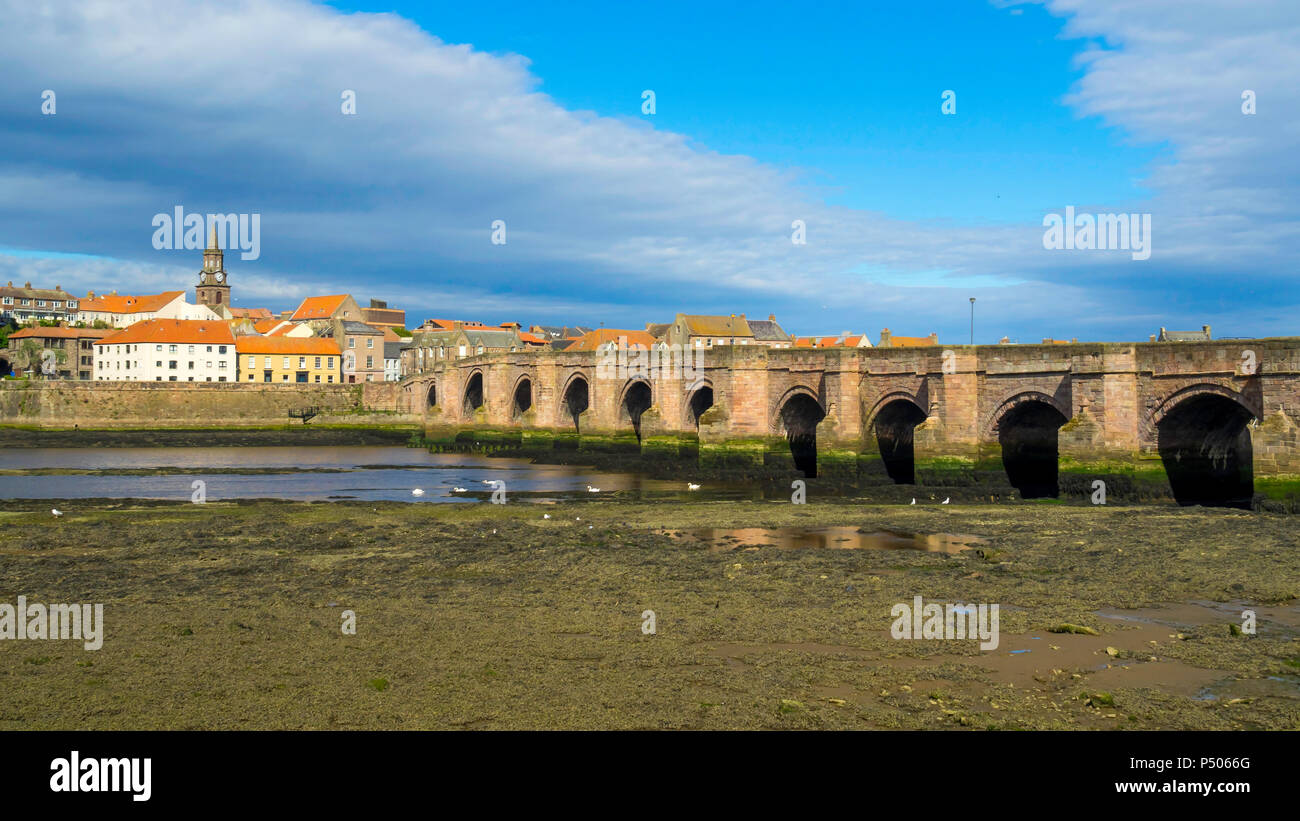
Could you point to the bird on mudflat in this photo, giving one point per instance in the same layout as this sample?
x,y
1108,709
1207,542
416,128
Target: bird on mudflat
x,y
417,492
56,512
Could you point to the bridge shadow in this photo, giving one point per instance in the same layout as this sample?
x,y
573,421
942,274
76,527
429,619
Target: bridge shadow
x,y
1204,444
1028,434
800,416
894,427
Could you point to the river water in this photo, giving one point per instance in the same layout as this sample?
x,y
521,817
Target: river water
x,y
366,473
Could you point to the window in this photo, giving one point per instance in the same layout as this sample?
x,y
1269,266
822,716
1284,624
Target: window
x,y
171,364
352,341
370,342
370,361
157,379
286,363
221,366
318,367
40,303
250,377
302,361
191,364
171,349
221,379
317,377
158,348
191,349
209,351
284,377
330,378
252,362
158,364
9,300
221,349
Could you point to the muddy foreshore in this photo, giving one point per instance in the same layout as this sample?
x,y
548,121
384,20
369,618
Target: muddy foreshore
x,y
228,615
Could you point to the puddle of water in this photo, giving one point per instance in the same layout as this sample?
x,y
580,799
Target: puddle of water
x,y
835,538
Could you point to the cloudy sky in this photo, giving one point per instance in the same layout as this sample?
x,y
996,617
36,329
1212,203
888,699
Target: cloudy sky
x,y
765,113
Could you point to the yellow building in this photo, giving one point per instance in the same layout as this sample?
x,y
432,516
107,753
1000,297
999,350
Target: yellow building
x,y
289,360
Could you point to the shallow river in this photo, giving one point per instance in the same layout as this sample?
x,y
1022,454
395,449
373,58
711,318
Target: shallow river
x,y
301,473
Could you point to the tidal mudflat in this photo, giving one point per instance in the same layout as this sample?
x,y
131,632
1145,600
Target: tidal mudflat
x,y
228,615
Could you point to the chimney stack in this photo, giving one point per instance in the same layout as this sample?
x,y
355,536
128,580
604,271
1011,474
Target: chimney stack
x,y
884,338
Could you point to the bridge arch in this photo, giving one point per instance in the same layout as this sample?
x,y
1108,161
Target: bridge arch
x,y
474,395
698,400
574,399
892,423
1027,426
430,392
6,367
1202,433
796,416
521,398
635,399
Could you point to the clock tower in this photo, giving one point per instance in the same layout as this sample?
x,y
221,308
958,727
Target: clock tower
x,y
213,290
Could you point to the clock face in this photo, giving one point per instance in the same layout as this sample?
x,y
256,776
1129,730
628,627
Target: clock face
x,y
221,276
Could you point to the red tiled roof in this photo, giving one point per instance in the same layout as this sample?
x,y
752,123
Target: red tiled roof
x,y
594,339
318,307
60,333
116,304
187,331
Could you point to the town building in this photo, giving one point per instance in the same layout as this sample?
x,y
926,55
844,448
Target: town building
x,y
888,340
606,339
119,311
363,349
285,359
846,339
393,360
554,333
1203,335
328,308
706,331
168,350
431,347
380,315
74,350
28,304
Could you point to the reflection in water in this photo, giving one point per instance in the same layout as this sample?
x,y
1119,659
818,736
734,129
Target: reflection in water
x,y
841,538
299,473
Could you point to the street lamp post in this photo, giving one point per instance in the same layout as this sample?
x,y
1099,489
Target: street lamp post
x,y
972,320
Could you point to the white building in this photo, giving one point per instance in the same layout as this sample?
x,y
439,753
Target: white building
x,y
125,311
168,350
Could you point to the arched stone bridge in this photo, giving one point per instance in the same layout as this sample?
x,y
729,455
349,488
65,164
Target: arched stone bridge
x,y
1205,420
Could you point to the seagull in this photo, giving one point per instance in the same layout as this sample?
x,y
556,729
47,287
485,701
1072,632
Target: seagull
x,y
546,515
56,512
945,500
458,490
417,492
913,500
692,486
591,489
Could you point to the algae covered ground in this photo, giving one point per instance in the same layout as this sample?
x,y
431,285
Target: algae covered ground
x,y
229,616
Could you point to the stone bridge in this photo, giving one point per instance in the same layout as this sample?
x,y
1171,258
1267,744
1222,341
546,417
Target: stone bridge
x,y
1209,422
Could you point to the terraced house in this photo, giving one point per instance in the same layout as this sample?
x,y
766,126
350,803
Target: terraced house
x,y
168,350
28,304
287,359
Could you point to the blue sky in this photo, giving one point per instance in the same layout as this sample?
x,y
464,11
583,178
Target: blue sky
x,y
765,114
